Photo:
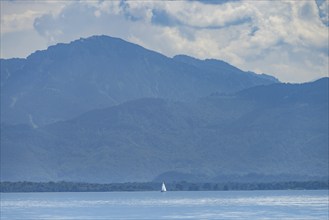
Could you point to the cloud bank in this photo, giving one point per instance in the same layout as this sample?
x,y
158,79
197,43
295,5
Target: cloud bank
x,y
287,39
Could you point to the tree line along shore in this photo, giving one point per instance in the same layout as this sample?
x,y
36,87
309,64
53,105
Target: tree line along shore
x,y
63,186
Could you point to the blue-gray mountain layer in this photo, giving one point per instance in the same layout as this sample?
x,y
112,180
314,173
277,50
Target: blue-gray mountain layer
x,y
67,80
278,131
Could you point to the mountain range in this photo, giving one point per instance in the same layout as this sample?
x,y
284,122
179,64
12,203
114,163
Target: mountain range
x,y
104,110
67,80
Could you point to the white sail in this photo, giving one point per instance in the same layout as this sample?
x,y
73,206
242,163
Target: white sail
x,y
163,188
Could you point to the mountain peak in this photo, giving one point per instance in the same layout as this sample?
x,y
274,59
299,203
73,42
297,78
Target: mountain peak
x,y
95,45
69,79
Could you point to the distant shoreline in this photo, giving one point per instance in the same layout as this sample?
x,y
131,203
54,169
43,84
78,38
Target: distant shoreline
x,y
63,186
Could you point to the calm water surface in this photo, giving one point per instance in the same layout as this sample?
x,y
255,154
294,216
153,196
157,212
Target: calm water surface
x,y
170,205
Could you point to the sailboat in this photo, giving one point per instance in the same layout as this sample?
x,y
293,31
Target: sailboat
x,y
163,187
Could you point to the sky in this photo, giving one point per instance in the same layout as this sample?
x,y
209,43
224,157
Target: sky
x,y
285,39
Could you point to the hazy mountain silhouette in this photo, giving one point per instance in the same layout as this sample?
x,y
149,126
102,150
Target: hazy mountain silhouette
x,y
272,132
69,79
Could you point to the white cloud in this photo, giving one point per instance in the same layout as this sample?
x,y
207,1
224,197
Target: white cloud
x,y
18,37
14,22
323,6
288,39
19,15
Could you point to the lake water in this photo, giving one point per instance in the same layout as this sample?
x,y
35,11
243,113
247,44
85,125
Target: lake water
x,y
170,205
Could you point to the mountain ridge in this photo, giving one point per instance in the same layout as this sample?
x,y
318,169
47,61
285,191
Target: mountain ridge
x,y
97,72
220,136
